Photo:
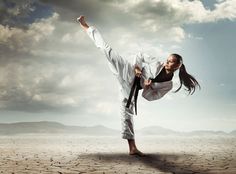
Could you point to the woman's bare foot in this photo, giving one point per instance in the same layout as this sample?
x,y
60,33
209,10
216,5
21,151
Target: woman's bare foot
x,y
82,22
136,152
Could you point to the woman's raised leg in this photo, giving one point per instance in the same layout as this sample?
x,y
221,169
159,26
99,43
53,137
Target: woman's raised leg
x,y
118,65
125,74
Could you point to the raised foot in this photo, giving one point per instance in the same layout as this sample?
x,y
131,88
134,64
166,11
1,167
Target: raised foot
x,y
80,19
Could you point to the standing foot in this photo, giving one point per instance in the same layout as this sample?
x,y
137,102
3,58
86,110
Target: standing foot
x,y
136,152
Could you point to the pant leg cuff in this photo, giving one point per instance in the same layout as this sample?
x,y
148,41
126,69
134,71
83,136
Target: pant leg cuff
x,y
127,136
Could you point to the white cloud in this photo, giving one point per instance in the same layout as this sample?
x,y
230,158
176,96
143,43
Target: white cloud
x,y
103,107
191,36
178,11
37,97
160,20
166,17
21,8
23,40
224,10
74,37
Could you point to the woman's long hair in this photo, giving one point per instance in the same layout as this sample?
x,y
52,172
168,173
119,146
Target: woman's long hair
x,y
188,80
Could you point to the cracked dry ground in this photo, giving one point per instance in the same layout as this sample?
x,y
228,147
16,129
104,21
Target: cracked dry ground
x,y
69,154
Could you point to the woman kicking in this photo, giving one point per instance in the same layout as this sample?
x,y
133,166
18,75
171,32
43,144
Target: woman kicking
x,y
146,73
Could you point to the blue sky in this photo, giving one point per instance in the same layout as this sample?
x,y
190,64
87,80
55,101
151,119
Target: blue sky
x,y
48,61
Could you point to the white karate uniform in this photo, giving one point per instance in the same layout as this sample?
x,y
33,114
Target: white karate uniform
x,y
124,72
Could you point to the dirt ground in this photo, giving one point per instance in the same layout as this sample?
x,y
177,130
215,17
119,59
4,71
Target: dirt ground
x,y
70,154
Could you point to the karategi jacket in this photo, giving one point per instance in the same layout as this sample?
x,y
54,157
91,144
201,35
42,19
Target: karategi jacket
x,y
151,67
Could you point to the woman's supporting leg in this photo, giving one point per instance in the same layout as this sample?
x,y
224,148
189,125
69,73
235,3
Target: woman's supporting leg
x,y
133,149
127,120
128,127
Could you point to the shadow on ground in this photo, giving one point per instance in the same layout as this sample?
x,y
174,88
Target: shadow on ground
x,y
171,163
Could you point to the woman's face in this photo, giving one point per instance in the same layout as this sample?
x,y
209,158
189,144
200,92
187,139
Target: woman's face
x,y
171,64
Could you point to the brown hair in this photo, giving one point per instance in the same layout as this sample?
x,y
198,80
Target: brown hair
x,y
188,80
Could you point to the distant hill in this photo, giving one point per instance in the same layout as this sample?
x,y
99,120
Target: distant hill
x,y
53,127
233,132
98,130
203,132
156,130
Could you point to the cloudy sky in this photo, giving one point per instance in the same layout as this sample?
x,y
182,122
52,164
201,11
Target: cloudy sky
x,y
51,70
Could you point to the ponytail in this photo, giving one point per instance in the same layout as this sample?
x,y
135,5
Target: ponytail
x,y
188,80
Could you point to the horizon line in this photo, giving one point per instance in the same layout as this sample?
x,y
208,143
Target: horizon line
x,y
117,129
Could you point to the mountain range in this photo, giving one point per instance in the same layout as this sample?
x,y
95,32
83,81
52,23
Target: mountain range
x,y
98,130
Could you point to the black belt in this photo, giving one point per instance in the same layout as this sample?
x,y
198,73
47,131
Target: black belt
x,y
134,92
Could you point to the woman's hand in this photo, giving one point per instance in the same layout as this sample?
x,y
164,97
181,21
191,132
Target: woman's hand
x,y
147,83
82,22
137,71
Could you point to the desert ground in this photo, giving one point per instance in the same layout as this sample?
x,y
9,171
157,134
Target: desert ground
x,y
69,154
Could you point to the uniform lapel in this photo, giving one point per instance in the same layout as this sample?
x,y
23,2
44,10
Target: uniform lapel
x,y
159,68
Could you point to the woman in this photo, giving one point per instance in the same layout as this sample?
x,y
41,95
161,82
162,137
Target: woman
x,y
147,73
